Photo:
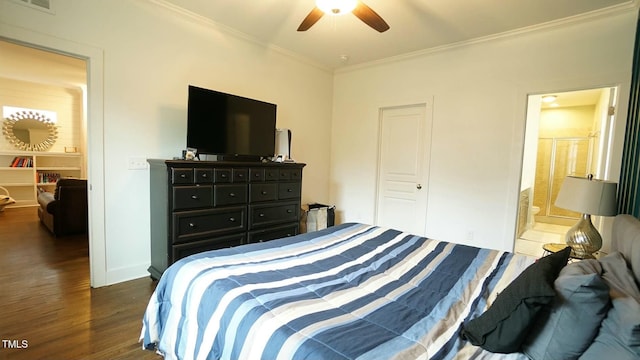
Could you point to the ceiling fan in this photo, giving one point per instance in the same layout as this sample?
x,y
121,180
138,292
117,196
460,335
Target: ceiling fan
x,y
339,7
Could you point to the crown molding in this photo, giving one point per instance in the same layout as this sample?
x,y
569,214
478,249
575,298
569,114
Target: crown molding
x,y
633,5
239,35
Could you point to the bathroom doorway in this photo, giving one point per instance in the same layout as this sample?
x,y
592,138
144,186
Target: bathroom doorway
x,y
567,134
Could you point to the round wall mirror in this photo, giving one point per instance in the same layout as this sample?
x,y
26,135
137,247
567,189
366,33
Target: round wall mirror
x,y
30,131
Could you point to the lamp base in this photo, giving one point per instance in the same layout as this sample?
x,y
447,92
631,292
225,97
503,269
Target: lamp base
x,y
584,238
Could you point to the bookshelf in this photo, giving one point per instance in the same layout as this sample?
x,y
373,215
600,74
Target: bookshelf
x,y
36,170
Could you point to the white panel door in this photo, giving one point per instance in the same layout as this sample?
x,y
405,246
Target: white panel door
x,y
402,169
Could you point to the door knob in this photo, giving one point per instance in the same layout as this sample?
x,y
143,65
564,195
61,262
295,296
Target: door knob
x,y
418,186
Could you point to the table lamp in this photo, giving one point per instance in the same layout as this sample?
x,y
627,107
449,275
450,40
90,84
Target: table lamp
x,y
589,197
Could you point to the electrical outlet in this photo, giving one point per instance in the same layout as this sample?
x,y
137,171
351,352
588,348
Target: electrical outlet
x,y
137,163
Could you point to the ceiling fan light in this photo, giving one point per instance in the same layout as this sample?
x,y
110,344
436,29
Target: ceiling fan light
x,y
336,7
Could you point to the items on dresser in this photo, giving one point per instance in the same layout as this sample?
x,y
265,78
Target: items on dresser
x,y
205,205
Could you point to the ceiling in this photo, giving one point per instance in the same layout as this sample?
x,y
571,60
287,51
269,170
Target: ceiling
x,y
337,41
39,66
415,25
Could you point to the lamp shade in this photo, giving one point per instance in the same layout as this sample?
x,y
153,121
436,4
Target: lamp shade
x,y
593,197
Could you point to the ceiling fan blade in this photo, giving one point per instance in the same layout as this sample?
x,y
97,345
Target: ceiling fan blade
x,y
370,17
311,19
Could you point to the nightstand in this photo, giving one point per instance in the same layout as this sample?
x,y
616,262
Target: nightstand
x,y
551,248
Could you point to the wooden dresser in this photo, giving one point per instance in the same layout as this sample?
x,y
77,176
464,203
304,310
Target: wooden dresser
x,y
204,205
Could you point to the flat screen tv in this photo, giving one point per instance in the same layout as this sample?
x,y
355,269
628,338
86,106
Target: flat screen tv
x,y
230,126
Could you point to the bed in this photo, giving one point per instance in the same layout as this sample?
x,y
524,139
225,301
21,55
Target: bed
x,y
352,291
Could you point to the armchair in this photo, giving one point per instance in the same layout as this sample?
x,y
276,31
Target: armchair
x,y
65,211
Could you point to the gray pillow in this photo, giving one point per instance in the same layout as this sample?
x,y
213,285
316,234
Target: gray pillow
x,y
617,274
568,327
626,240
628,327
619,336
583,267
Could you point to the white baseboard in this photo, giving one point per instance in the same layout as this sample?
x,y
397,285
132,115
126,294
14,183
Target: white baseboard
x,y
115,276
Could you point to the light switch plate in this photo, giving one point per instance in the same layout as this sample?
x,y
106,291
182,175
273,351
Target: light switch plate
x,y
137,163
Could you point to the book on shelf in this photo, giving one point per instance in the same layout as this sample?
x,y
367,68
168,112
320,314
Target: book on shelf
x,y
22,161
48,177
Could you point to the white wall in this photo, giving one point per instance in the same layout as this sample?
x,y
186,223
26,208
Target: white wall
x,y
601,128
480,98
151,54
530,147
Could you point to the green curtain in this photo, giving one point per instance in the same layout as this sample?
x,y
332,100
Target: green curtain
x,y
628,192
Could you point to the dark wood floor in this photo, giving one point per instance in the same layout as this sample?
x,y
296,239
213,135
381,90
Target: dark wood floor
x,y
48,308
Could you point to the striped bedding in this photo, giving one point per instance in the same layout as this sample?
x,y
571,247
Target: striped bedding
x,y
352,291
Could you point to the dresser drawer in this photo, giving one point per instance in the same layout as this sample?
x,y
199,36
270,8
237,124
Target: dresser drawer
x,y
240,175
192,197
222,175
267,214
181,175
284,174
290,174
203,176
296,174
183,250
289,190
229,194
198,224
263,192
271,174
273,233
256,174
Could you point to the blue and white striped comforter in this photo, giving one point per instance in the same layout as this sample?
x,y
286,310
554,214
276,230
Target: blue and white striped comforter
x,y
352,291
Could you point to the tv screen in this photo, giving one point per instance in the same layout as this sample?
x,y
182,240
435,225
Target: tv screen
x,y
225,124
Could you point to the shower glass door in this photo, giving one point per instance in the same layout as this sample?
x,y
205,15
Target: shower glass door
x,y
557,159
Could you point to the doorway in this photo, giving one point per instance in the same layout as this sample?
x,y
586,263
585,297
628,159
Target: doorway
x,y
567,134
403,163
95,142
56,83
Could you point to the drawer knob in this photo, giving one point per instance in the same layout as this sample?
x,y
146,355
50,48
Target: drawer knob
x,y
232,219
241,175
257,175
183,175
232,194
289,211
289,190
194,197
261,215
192,225
204,175
223,176
264,192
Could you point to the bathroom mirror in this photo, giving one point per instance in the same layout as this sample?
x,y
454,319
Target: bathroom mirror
x,y
30,131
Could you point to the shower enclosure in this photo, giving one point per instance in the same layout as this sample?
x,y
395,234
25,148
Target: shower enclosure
x,y
558,158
